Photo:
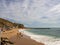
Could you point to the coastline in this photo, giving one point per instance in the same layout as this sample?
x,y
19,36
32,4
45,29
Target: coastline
x,y
29,38
25,40
47,40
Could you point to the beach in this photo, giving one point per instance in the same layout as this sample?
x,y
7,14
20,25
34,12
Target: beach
x,y
24,40
24,37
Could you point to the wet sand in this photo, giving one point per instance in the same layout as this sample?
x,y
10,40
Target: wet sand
x,y
24,40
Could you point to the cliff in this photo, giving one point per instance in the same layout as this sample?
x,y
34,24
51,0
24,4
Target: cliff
x,y
9,24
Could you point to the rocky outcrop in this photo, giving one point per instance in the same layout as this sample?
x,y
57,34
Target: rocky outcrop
x,y
8,24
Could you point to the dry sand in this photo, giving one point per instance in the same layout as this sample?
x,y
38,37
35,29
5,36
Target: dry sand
x,y
25,40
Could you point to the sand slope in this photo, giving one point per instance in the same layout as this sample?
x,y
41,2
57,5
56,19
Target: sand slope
x,y
25,40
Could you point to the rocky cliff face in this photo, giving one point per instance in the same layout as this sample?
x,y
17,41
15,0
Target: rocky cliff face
x,y
6,23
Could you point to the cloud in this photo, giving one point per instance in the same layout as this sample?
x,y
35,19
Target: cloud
x,y
54,13
32,13
55,9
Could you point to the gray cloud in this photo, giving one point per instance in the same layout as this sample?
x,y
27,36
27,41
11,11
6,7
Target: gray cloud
x,y
32,13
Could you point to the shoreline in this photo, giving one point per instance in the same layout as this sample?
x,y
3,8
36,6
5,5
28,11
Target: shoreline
x,y
25,40
47,40
29,38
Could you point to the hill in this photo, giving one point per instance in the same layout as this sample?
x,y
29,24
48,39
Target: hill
x,y
6,23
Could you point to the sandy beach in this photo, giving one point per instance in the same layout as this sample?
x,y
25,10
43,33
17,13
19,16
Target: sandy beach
x,y
24,40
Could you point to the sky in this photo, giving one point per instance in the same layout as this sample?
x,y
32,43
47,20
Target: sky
x,y
31,13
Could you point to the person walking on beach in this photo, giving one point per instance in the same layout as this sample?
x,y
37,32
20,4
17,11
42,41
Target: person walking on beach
x,y
19,34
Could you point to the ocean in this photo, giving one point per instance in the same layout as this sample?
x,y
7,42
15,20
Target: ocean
x,y
46,36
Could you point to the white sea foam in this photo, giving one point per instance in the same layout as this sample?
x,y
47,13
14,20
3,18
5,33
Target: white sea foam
x,y
47,40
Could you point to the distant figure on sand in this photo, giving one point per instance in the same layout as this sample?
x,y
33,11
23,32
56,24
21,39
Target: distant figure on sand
x,y
19,34
1,29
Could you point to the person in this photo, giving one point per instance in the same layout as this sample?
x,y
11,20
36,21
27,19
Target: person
x,y
19,34
1,29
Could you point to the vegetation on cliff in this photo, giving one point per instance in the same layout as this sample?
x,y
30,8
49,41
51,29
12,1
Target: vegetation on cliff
x,y
8,24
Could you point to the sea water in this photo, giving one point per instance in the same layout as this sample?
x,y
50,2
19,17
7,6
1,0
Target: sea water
x,y
46,36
